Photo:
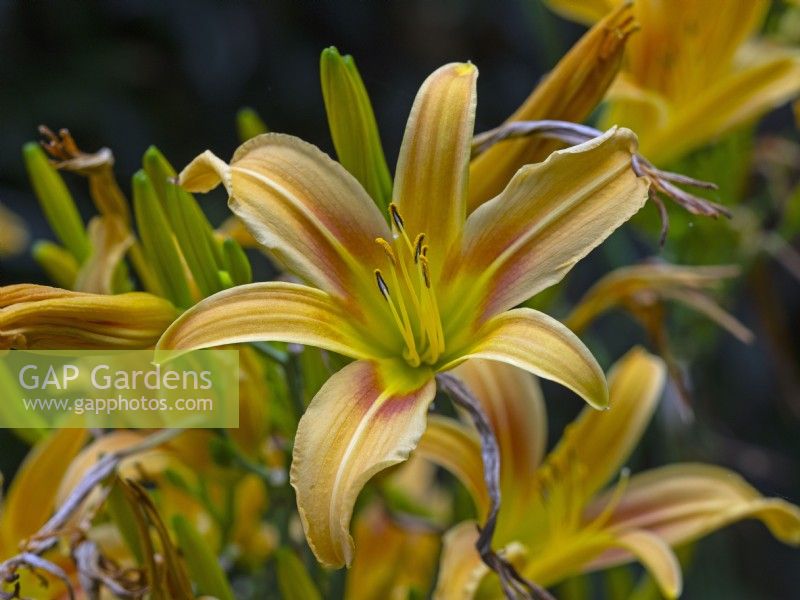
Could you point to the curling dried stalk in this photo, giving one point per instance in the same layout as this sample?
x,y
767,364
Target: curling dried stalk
x,y
661,182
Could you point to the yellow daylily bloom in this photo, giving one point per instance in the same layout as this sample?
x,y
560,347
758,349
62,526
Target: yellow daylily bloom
x,y
14,236
37,316
677,103
557,521
410,298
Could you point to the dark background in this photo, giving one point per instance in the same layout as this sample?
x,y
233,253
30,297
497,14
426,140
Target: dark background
x,y
130,74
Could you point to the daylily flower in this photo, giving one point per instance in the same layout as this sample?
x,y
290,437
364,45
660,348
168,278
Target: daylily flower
x,y
556,520
411,297
643,289
676,102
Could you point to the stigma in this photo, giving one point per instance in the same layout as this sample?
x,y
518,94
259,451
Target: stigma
x,y
409,293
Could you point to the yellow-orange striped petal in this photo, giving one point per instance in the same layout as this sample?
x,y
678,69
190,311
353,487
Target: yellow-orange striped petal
x,y
537,343
430,186
455,447
656,556
570,92
550,216
683,502
312,215
42,317
601,442
366,417
272,311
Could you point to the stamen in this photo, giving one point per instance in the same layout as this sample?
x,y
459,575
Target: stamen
x,y
387,248
426,275
418,246
384,289
398,220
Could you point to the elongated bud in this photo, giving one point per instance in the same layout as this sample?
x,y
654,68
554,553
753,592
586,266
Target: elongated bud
x,y
570,92
56,202
237,262
249,124
58,263
353,126
191,227
36,316
158,242
294,582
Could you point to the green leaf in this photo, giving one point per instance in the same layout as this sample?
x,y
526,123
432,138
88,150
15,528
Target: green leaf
x,y
249,124
353,126
57,262
192,230
203,566
294,582
56,202
158,241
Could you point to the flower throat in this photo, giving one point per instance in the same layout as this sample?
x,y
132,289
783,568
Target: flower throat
x,y
411,299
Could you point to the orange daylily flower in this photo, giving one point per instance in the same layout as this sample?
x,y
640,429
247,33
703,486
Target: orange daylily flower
x,y
556,520
411,297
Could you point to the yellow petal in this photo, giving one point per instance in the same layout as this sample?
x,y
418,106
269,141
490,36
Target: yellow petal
x,y
570,92
462,573
110,239
657,557
15,235
272,311
550,216
601,442
364,419
514,404
583,11
382,545
31,496
37,316
455,447
461,569
306,209
770,78
532,341
430,187
683,502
